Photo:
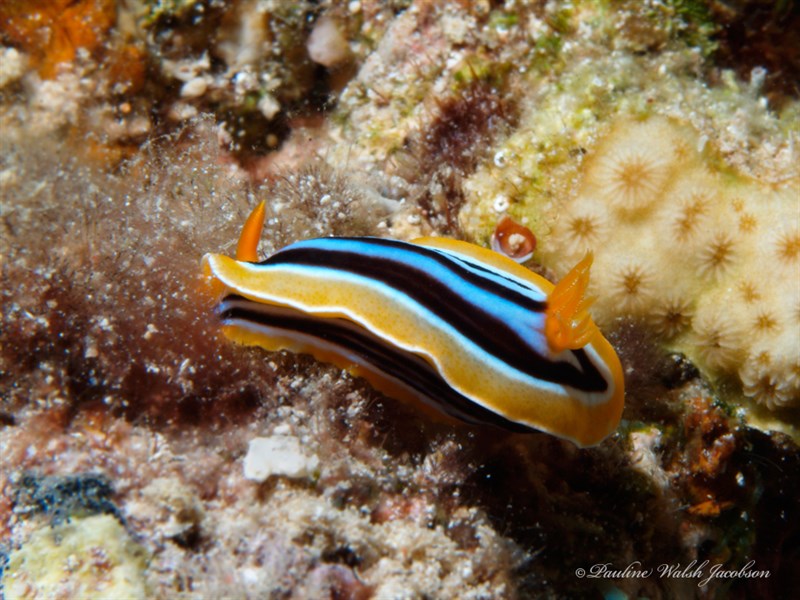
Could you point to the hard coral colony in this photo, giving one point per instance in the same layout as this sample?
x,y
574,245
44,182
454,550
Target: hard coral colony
x,y
455,326
717,275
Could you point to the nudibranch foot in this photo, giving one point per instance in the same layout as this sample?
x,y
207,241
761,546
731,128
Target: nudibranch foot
x,y
402,374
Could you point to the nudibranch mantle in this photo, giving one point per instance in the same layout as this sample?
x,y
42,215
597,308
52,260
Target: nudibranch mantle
x,y
458,327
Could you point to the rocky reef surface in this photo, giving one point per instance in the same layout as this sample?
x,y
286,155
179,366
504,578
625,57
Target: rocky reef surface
x,y
143,455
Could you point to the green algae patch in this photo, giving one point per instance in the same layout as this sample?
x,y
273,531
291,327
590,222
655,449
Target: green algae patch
x,y
90,557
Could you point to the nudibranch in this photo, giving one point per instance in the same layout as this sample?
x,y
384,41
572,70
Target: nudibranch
x,y
461,328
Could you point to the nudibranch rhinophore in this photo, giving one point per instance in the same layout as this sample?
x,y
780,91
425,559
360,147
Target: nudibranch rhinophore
x,y
462,329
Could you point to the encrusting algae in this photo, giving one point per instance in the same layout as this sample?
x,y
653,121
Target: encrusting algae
x,y
89,557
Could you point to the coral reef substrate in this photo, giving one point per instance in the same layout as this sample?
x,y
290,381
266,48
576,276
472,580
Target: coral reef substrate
x,y
144,455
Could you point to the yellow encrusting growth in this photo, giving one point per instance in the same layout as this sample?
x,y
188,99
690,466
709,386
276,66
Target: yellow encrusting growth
x,y
708,257
87,557
568,325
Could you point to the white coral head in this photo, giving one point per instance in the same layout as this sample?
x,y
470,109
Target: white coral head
x,y
761,381
787,247
718,255
717,339
672,315
582,229
631,287
633,167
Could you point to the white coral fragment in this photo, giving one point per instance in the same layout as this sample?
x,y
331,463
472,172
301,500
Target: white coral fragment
x,y
278,455
327,45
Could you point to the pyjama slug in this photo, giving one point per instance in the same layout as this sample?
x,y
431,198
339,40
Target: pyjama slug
x,y
458,327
